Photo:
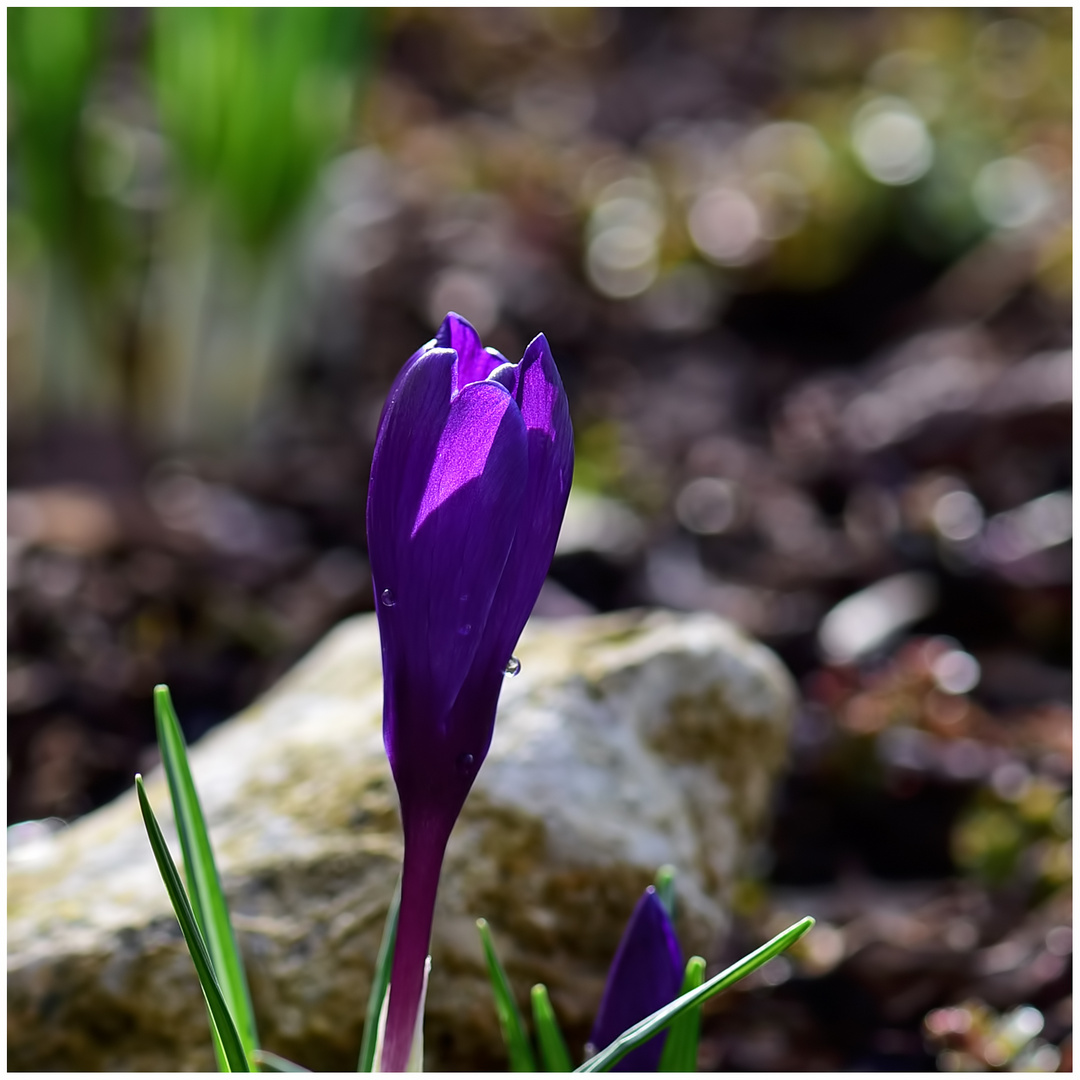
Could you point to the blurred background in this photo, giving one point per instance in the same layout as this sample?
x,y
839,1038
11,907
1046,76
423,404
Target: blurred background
x,y
807,276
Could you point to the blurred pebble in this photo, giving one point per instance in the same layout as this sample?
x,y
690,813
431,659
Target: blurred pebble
x,y
73,519
600,524
867,619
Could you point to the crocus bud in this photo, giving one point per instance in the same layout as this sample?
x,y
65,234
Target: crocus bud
x,y
469,483
645,975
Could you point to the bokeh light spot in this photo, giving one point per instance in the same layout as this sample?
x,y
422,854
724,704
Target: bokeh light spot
x,y
892,141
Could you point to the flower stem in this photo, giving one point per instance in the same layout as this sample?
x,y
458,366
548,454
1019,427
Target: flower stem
x,y
425,846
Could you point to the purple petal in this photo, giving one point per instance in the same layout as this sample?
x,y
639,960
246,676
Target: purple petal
x,y
443,506
410,427
475,363
538,390
646,974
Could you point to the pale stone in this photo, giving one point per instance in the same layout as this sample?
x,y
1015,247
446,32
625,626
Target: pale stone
x,y
627,741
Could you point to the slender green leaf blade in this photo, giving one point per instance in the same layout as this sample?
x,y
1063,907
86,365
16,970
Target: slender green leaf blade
x,y
680,1050
379,984
510,1021
219,1050
215,1000
204,884
660,1019
553,1052
274,1063
665,888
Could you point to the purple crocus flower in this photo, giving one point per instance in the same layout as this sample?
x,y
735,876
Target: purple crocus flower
x,y
645,975
469,483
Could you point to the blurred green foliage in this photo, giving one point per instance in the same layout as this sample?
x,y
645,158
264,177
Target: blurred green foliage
x,y
1025,834
598,453
150,265
253,100
62,231
53,56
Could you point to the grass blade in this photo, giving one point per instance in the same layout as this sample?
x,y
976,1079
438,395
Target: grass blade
x,y
660,1019
204,884
510,1021
219,1050
233,1048
680,1050
274,1063
379,983
553,1053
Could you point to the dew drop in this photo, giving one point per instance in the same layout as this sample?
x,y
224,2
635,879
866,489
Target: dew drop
x,y
465,629
388,598
465,763
513,666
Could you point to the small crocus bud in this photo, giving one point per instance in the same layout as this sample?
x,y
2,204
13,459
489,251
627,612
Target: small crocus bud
x,y
469,483
645,975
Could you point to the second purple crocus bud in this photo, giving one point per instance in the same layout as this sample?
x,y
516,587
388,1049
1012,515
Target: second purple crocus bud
x,y
469,482
645,975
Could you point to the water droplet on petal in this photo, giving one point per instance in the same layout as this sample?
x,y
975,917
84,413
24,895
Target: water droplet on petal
x,y
465,629
388,598
513,666
465,763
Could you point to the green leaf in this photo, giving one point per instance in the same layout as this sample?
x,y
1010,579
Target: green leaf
x,y
274,1063
553,1052
54,55
645,1029
253,102
680,1050
379,984
200,870
665,888
219,1050
510,1021
235,1058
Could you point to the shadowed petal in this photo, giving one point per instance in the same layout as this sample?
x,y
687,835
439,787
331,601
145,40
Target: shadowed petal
x,y
475,363
645,975
411,426
395,386
450,543
538,391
